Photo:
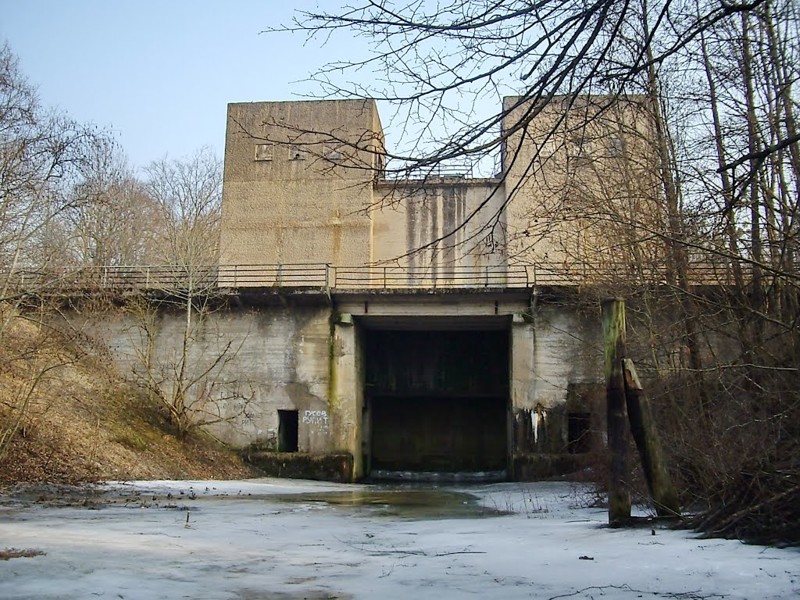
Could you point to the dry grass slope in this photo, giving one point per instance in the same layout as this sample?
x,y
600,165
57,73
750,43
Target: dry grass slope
x,y
84,423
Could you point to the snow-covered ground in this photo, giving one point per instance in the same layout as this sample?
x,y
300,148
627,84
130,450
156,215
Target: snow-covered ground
x,y
289,539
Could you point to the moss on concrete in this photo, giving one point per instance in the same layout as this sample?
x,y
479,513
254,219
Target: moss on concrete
x,y
299,465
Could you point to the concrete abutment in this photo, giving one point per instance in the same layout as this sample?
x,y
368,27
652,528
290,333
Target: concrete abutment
x,y
364,385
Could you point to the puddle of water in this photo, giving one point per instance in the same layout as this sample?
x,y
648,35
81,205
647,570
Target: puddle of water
x,y
306,595
404,503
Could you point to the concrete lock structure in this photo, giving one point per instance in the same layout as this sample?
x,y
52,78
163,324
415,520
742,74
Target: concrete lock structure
x,y
439,340
380,326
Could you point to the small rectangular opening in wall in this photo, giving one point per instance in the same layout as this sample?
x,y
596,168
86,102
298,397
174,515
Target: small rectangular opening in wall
x,y
332,153
579,432
287,430
263,152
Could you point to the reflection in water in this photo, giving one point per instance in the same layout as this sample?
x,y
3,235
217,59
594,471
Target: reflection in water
x,y
403,503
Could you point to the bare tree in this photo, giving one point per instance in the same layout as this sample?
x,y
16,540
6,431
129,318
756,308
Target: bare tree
x,y
188,193
111,220
184,368
41,154
440,62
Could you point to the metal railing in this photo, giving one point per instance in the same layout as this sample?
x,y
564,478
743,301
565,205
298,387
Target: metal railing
x,y
278,276
430,277
319,276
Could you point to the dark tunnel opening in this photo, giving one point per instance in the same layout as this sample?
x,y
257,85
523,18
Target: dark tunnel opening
x,y
437,401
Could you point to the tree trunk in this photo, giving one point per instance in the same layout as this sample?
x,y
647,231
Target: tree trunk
x,y
728,196
678,267
619,500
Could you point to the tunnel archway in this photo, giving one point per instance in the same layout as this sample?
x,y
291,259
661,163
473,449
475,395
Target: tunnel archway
x,y
436,397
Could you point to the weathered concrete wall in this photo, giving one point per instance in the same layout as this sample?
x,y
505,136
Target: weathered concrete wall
x,y
347,389
298,179
304,183
582,171
440,225
311,357
565,353
278,359
567,349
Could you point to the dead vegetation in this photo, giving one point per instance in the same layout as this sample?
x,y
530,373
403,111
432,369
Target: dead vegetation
x,y
10,553
735,457
67,416
731,432
737,452
760,506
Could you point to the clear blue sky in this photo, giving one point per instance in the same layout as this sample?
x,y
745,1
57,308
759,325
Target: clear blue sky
x,y
160,72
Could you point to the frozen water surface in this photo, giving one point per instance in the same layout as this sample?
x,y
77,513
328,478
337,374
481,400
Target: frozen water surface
x,y
296,539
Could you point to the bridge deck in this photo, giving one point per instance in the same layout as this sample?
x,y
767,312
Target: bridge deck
x,y
343,278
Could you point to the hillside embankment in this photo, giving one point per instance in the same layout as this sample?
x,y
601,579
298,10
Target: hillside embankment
x,y
67,416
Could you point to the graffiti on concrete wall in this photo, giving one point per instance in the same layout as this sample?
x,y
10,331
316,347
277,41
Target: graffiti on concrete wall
x,y
315,417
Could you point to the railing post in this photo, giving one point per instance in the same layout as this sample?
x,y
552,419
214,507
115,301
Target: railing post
x,y
384,277
327,276
280,275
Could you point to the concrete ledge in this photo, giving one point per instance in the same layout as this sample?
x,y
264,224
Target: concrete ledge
x,y
439,476
296,465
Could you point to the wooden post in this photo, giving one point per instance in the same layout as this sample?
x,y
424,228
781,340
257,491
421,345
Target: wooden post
x,y
619,499
648,443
